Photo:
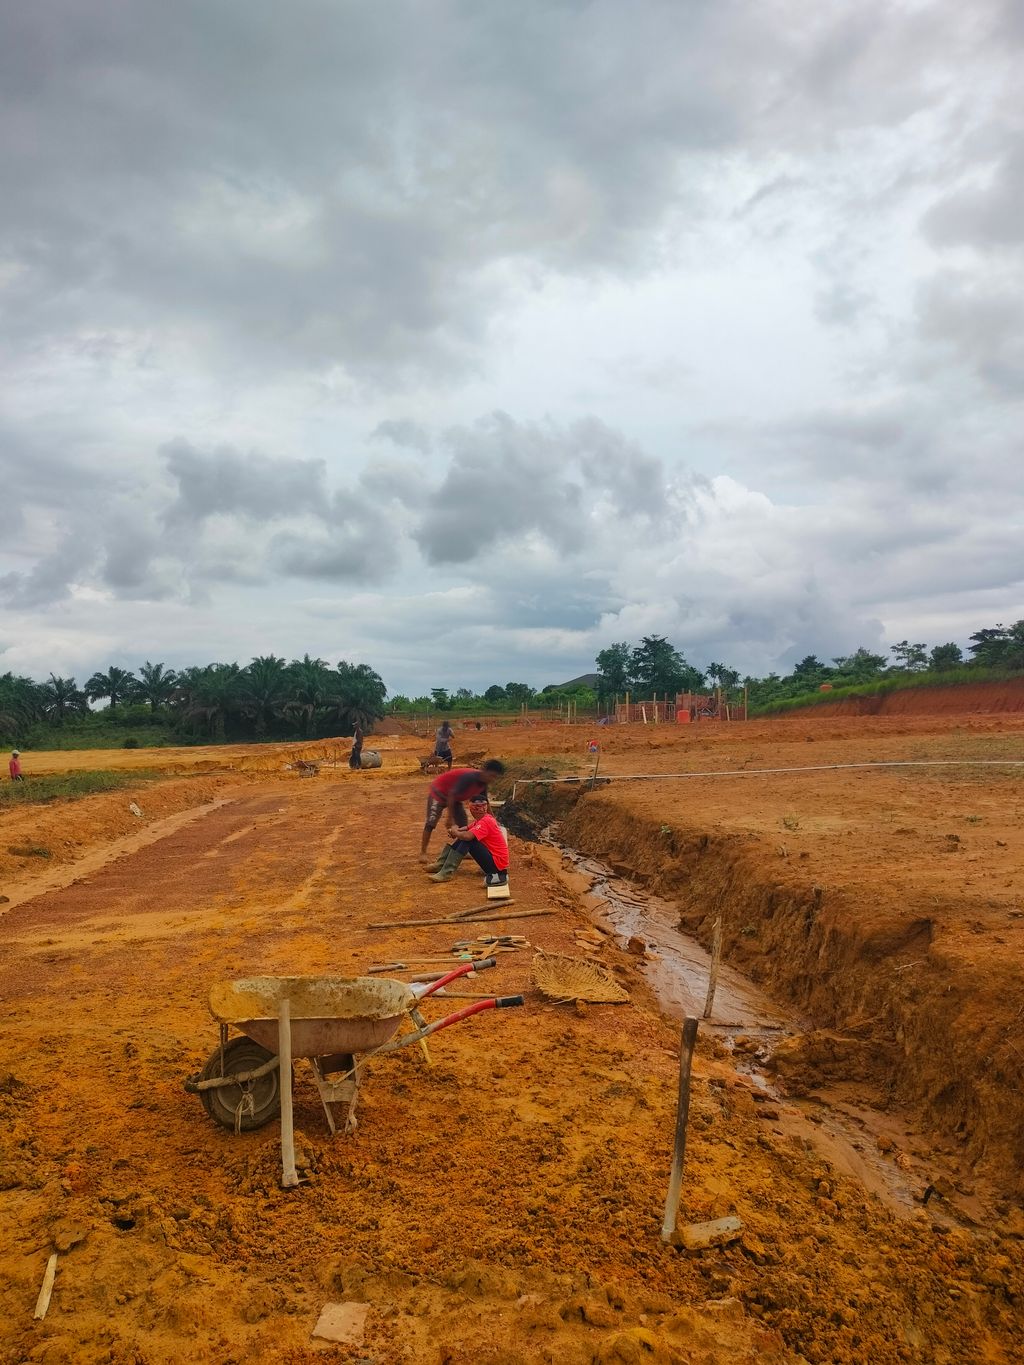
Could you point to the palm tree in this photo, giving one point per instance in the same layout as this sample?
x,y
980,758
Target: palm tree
x,y
358,696
310,681
264,689
155,684
21,704
217,692
60,696
116,683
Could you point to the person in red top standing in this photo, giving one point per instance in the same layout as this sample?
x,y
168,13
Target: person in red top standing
x,y
483,840
15,766
449,790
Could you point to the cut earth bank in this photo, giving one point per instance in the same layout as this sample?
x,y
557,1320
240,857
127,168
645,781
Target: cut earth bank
x,y
885,904
502,1206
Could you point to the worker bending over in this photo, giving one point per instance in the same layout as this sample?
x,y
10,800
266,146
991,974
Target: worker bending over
x,y
447,793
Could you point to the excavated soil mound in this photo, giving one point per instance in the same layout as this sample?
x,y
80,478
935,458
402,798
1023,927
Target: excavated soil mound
x,y
994,698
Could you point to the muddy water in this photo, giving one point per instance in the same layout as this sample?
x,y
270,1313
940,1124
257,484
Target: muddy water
x,y
844,1131
676,966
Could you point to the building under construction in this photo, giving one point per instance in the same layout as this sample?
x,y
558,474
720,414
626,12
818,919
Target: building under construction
x,y
685,709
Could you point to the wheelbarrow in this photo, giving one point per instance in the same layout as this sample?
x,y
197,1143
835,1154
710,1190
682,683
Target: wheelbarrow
x,y
338,1023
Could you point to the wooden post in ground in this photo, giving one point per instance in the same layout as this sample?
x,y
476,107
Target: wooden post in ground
x,y
289,1175
746,699
716,962
686,1045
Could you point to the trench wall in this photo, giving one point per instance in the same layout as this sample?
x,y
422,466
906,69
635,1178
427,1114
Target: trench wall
x,y
938,1034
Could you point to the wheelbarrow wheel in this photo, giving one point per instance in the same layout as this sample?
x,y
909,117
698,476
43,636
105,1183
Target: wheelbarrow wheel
x,y
242,1107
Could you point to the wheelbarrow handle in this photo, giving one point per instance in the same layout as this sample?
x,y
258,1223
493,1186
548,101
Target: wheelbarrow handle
x,y
501,1002
463,969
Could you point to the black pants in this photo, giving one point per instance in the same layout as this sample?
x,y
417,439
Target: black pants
x,y
481,855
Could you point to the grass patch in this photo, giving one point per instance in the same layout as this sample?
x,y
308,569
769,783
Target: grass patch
x,y
959,677
29,851
533,766
66,786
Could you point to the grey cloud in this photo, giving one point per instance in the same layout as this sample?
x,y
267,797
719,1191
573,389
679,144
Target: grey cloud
x,y
977,321
52,574
990,214
508,480
348,557
225,480
403,432
504,481
320,183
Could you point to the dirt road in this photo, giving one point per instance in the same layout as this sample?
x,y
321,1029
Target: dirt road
x,y
502,1206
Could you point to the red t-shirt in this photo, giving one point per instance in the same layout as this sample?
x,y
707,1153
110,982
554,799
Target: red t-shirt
x,y
15,766
462,783
488,831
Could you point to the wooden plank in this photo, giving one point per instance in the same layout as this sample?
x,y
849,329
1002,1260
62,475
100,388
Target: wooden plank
x,y
450,919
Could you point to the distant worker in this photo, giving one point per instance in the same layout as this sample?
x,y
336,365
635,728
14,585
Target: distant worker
x,y
14,764
447,793
355,757
443,743
485,844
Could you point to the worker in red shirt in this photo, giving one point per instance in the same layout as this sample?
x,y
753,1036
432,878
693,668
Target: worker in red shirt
x,y
449,790
14,765
483,840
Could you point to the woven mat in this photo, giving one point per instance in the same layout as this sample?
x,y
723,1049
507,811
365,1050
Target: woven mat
x,y
576,978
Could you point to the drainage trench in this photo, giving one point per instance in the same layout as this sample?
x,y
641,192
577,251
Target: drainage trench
x,y
848,1134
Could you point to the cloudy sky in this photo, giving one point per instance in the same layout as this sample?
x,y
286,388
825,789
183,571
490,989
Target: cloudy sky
x,y
463,337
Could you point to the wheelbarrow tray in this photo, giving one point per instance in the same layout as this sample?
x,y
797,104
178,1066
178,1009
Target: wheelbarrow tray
x,y
329,1014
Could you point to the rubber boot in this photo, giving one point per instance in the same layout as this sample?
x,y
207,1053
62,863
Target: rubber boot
x,y
450,865
442,858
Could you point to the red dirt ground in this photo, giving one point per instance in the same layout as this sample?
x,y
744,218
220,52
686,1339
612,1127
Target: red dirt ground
x,y
502,1206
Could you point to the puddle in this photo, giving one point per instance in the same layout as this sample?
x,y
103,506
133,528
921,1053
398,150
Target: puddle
x,y
676,967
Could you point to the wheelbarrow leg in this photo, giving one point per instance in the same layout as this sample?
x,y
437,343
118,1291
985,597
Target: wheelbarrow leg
x,y
289,1175
344,1091
351,1122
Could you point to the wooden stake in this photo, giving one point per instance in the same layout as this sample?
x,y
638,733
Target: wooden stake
x,y
43,1301
716,961
687,1041
461,919
289,1175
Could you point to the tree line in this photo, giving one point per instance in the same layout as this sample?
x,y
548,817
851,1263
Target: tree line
x,y
268,696
654,667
